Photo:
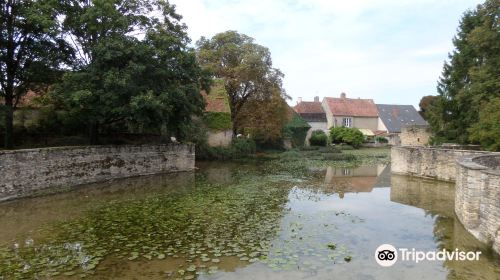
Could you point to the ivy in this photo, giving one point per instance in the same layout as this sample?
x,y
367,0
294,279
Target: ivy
x,y
218,120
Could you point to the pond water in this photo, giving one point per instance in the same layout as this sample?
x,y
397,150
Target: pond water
x,y
250,220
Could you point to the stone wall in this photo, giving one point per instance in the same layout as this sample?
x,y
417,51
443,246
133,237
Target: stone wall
x,y
28,172
477,178
477,195
220,138
432,163
415,135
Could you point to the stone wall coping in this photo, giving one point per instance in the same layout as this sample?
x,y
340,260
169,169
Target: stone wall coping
x,y
66,148
442,149
470,163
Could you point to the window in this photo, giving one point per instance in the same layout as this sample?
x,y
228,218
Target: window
x,y
347,122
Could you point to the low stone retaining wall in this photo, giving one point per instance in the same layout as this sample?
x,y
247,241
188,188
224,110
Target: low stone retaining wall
x,y
477,197
25,172
431,163
477,178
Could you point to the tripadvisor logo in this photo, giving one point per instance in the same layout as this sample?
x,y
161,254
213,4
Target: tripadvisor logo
x,y
386,255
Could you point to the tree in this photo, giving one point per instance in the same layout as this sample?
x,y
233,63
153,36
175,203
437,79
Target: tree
x,y
487,131
471,77
121,79
264,117
246,68
425,103
30,49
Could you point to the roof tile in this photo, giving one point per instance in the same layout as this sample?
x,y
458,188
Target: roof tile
x,y
352,107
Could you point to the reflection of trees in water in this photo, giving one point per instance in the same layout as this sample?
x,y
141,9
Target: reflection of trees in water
x,y
28,214
437,198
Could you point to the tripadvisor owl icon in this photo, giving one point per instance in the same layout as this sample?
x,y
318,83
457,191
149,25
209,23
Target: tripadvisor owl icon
x,y
386,255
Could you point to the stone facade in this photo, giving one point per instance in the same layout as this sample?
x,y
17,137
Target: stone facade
x,y
415,135
477,178
28,172
477,197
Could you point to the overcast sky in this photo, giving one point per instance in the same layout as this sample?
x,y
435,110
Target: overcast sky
x,y
389,50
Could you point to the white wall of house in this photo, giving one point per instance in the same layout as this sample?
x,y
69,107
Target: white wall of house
x,y
381,125
356,122
329,116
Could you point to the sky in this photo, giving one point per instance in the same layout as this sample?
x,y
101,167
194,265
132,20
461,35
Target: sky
x,y
391,51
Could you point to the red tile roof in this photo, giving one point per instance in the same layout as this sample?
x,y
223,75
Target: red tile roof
x,y
217,104
309,107
217,100
352,107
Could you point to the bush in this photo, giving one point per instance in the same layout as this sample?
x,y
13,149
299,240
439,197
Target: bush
x,y
239,148
242,147
347,135
337,156
318,138
309,148
345,147
329,149
381,139
290,155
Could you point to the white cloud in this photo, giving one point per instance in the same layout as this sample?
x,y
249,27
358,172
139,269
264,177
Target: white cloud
x,y
388,50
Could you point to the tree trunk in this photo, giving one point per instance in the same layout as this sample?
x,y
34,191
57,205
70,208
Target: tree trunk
x,y
9,124
233,122
94,133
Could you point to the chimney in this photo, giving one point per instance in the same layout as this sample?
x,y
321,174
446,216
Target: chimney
x,y
342,95
316,99
299,100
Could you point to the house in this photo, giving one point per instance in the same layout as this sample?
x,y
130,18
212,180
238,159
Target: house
x,y
314,114
394,118
351,112
217,116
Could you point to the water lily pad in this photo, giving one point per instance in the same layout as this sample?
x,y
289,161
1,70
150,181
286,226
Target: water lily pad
x,y
191,268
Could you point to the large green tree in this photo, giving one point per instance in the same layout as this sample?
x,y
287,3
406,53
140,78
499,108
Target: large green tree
x,y
471,77
425,103
132,68
247,71
30,49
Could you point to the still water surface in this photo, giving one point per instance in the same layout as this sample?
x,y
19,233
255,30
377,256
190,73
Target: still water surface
x,y
239,221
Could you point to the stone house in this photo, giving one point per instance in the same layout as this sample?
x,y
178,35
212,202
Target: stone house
x,y
314,114
218,116
351,112
394,118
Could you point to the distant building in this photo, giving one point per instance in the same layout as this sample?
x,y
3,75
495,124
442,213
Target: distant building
x,y
351,112
393,118
415,135
314,114
218,116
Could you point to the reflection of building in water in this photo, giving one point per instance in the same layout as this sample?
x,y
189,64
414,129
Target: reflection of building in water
x,y
361,179
437,198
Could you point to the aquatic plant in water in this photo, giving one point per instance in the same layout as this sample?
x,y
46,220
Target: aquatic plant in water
x,y
204,224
